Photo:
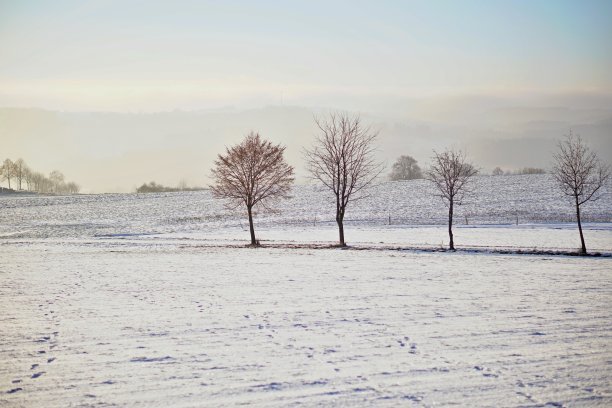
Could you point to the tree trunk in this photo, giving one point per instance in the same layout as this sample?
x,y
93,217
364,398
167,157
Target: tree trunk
x,y
451,244
251,228
340,222
583,249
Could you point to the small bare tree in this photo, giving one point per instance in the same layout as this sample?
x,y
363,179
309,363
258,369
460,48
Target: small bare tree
x,y
251,173
451,173
342,159
579,174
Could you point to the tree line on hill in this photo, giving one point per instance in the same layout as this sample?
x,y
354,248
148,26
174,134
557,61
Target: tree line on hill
x,y
20,177
254,172
153,187
525,170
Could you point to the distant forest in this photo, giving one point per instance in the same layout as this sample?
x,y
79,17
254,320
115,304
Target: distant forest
x,y
20,177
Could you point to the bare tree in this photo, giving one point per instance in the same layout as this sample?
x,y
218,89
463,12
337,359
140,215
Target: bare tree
x,y
182,185
8,171
72,188
451,173
405,168
579,174
21,169
57,178
498,171
342,159
38,182
252,173
28,176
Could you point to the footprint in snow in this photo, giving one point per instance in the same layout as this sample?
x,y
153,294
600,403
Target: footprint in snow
x,y
14,390
36,375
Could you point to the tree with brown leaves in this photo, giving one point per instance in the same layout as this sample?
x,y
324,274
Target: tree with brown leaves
x,y
579,174
252,173
451,173
342,159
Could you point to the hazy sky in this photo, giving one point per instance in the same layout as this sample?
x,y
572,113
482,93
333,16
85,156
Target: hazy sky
x,y
501,79
147,56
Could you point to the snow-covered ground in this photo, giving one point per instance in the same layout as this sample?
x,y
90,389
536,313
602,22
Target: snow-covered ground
x,y
150,300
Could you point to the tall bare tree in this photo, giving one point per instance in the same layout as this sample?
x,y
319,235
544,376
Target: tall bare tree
x,y
579,174
405,168
21,169
252,173
342,159
451,173
8,171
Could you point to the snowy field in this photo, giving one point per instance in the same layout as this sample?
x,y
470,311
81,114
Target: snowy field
x,y
150,300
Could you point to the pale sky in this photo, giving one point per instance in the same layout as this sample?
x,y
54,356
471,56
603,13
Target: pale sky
x,y
501,79
148,56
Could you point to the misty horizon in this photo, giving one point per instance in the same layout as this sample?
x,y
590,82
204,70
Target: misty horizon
x,y
117,151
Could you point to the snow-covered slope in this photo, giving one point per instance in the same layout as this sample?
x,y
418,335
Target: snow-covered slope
x,y
495,200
